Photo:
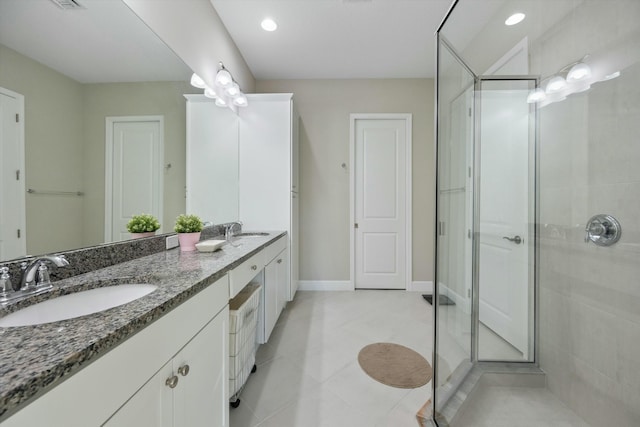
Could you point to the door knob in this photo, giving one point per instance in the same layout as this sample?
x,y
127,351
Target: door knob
x,y
515,239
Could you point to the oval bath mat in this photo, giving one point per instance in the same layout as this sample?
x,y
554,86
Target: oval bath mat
x,y
395,365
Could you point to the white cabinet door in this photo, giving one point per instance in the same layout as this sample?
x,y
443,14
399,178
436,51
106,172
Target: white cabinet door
x,y
270,298
282,276
201,396
151,406
200,393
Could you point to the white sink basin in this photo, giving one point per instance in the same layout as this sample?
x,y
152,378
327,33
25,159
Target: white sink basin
x,y
76,304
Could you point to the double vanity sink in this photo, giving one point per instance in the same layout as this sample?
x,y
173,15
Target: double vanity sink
x,y
84,317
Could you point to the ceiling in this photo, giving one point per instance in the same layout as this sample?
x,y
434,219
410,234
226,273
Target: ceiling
x,y
328,39
85,45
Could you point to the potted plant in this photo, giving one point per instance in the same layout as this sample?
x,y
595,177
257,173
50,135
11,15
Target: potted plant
x,y
188,228
143,225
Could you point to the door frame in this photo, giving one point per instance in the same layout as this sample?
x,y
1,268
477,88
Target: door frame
x,y
108,171
407,117
21,163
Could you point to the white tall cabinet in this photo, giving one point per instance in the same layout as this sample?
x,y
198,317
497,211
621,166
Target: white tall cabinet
x,y
245,167
268,159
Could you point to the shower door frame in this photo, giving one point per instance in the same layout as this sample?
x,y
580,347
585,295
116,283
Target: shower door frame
x,y
533,227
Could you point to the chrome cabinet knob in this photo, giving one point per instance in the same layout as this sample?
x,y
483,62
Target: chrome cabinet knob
x,y
280,261
172,381
254,267
183,370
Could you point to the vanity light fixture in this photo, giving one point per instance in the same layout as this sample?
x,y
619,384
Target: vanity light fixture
x,y
556,84
536,95
225,91
578,72
611,76
223,78
196,81
233,89
514,19
269,24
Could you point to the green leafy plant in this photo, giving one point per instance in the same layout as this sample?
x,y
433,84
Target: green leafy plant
x,y
143,223
188,224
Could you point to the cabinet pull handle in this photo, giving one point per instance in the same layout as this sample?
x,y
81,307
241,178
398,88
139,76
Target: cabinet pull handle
x,y
183,370
280,261
172,382
254,267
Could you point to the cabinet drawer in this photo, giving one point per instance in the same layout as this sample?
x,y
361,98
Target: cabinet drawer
x,y
240,276
272,251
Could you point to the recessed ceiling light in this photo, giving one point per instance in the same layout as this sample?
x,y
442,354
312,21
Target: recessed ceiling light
x,y
269,24
514,19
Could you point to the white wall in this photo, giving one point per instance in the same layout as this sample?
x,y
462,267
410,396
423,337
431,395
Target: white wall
x,y
589,157
324,107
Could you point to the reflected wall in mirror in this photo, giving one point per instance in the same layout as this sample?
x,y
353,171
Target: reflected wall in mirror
x,y
74,70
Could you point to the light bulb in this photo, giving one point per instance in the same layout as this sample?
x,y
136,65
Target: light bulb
x,y
223,78
220,102
196,81
240,100
580,71
233,90
536,95
210,93
269,24
556,84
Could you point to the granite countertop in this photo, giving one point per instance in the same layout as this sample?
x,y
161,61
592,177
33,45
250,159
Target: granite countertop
x,y
36,358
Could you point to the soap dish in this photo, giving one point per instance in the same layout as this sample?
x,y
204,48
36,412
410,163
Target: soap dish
x,y
210,245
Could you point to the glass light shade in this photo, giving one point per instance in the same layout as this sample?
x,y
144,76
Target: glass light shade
x,y
240,100
196,81
223,78
536,95
220,102
580,71
514,19
611,76
233,90
556,84
210,93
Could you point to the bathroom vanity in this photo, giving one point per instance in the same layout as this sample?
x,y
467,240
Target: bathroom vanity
x,y
159,360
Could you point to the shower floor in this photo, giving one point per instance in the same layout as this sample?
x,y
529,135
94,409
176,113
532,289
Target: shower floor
x,y
507,406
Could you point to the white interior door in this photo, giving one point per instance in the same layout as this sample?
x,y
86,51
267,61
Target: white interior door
x,y
12,188
134,172
381,189
504,212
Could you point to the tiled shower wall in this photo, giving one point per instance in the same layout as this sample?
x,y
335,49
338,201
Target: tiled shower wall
x,y
590,164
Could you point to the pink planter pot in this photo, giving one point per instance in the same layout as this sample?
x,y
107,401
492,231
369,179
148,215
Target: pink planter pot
x,y
188,241
141,235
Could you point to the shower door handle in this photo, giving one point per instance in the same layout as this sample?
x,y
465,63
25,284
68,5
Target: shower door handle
x,y
515,239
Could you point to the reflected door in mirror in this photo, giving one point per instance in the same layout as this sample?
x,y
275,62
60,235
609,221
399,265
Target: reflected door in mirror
x,y
12,189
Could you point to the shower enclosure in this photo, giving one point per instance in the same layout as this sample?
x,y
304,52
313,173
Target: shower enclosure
x,y
537,315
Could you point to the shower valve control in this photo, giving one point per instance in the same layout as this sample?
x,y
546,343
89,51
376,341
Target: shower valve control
x,y
603,230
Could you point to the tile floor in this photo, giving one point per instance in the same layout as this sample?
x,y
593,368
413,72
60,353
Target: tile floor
x,y
308,374
501,406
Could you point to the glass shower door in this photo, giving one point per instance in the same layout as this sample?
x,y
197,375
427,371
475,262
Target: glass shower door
x,y
452,300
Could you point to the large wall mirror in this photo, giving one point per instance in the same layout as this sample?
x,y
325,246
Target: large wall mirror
x,y
104,125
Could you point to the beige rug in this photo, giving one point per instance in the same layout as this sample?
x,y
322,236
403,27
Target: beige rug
x,y
395,365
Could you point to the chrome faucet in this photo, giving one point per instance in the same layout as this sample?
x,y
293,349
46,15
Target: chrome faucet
x,y
228,232
35,275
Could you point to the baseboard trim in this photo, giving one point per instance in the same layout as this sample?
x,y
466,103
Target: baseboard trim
x,y
421,286
325,285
